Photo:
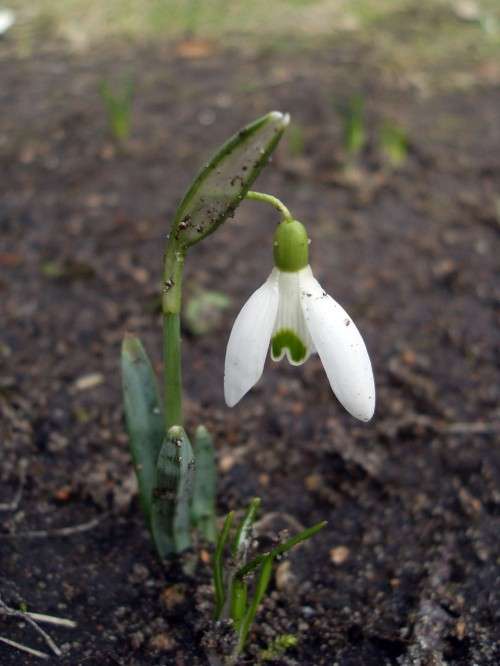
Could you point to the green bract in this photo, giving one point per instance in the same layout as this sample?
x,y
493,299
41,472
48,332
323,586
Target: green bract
x,y
216,193
224,181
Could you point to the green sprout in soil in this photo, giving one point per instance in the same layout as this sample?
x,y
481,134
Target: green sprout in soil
x,y
118,102
354,127
291,315
393,141
278,647
241,581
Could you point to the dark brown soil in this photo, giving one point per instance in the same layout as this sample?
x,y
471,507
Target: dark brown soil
x,y
407,571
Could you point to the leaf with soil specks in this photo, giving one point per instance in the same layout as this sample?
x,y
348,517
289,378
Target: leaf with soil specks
x,y
143,415
224,181
170,508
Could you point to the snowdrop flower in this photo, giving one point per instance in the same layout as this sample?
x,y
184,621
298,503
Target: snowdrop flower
x,y
293,315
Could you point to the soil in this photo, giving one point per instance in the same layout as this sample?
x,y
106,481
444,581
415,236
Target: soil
x,y
407,570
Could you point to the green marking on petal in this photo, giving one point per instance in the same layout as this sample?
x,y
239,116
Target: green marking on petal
x,y
287,339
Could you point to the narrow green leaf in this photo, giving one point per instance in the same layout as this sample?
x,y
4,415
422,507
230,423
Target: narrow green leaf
x,y
143,416
118,103
354,126
170,518
205,477
244,533
260,590
394,144
281,549
224,181
238,602
218,568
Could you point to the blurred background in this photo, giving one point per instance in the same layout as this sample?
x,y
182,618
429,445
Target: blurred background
x,y
392,159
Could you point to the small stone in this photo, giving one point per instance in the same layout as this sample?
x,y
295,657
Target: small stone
x,y
313,482
162,643
140,275
57,442
285,578
63,494
409,357
86,382
136,640
173,596
226,462
139,574
264,479
460,629
339,554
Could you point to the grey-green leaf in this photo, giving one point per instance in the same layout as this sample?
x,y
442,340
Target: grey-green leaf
x,y
143,416
205,477
170,515
224,181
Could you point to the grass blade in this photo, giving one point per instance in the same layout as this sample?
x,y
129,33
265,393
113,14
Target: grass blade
x,y
218,568
260,590
281,549
238,602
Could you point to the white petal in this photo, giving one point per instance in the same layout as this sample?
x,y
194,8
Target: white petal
x,y
249,341
340,347
290,325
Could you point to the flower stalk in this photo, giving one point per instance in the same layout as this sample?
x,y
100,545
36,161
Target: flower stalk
x,y
171,305
273,201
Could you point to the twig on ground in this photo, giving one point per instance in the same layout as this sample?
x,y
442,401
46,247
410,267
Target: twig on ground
x,y
14,503
391,427
22,615
473,428
24,648
61,531
50,619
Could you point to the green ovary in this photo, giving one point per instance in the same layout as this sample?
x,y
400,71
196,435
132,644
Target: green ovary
x,y
287,339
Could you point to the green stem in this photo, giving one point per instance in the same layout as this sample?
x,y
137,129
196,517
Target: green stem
x,y
173,376
268,198
171,304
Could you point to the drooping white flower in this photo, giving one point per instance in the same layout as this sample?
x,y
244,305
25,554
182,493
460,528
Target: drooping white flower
x,y
294,315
